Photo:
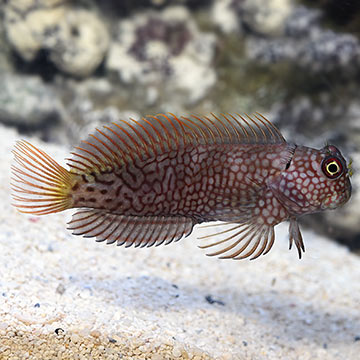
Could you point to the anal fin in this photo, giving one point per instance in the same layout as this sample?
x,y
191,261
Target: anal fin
x,y
139,231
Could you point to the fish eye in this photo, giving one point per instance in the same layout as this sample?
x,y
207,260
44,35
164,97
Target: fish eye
x,y
332,167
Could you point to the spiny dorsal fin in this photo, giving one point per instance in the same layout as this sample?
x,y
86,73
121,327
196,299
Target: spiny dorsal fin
x,y
130,230
123,141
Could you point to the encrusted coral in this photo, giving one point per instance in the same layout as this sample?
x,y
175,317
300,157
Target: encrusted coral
x,y
164,47
76,39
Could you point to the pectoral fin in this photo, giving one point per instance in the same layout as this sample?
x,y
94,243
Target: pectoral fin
x,y
240,241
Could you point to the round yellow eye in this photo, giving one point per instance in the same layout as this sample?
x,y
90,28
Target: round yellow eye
x,y
332,167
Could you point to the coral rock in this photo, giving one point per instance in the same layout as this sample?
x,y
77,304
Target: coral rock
x,y
76,39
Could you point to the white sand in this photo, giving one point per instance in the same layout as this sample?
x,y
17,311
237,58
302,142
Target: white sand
x,y
117,303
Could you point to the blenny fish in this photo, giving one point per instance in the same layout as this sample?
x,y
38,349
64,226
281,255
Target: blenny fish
x,y
149,181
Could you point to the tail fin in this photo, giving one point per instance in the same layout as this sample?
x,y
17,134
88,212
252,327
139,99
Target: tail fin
x,y
40,185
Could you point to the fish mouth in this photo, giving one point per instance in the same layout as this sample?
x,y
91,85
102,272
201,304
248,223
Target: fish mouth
x,y
347,192
332,201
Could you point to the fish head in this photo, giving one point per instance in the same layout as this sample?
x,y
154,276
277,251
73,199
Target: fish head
x,y
336,174
313,180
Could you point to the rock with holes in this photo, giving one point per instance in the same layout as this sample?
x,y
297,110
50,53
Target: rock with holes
x,y
30,26
76,39
166,50
82,42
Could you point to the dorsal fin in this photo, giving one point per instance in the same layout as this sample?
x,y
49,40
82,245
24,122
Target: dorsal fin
x,y
130,230
124,141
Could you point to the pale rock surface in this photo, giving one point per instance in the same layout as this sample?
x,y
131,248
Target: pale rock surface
x,y
224,16
310,45
263,17
76,39
27,101
82,43
26,33
165,49
26,5
68,297
267,17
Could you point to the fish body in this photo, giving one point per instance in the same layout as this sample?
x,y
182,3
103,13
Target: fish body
x,y
206,183
150,181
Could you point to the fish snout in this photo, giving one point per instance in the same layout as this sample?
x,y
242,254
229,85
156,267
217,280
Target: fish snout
x,y
336,200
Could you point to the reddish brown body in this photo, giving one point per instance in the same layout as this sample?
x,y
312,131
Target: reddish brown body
x,y
206,183
151,181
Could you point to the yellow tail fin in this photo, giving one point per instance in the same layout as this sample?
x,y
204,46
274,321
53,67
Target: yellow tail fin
x,y
40,185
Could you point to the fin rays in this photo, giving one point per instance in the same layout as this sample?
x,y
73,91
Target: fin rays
x,y
40,185
295,236
122,141
129,230
244,240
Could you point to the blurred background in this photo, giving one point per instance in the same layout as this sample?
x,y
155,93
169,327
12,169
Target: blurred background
x,y
69,66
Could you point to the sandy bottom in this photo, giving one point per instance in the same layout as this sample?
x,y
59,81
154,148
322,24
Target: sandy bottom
x,y
66,297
